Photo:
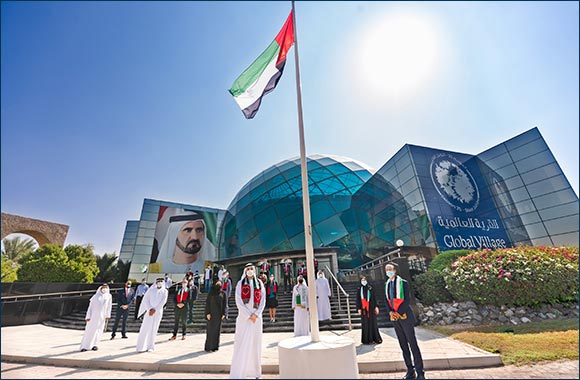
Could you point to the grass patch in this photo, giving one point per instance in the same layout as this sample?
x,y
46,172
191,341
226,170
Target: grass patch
x,y
522,344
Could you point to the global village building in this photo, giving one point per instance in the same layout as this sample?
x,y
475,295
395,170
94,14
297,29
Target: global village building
x,y
427,200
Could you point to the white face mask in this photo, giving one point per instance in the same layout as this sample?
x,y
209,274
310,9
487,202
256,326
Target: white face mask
x,y
363,283
105,290
390,273
159,284
250,273
319,276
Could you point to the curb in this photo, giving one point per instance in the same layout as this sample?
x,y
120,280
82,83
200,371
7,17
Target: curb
x,y
363,367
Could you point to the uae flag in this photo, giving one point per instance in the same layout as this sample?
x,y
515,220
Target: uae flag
x,y
263,75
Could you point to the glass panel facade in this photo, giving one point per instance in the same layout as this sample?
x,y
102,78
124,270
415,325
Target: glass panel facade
x,y
269,217
537,201
432,200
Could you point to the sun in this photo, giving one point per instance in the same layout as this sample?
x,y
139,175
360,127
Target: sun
x,y
397,55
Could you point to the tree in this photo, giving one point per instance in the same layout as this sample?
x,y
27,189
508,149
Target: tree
x,y
52,263
123,270
8,269
14,249
107,267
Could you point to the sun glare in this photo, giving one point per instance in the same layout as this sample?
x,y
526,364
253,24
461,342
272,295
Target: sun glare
x,y
398,54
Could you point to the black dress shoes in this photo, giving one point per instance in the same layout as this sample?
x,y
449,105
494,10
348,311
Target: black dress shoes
x,y
410,375
83,349
420,376
95,348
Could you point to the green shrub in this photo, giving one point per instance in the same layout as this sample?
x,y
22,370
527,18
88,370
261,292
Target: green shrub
x,y
523,276
446,258
430,287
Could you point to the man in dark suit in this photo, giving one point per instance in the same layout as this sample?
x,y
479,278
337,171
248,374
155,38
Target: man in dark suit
x,y
399,308
124,298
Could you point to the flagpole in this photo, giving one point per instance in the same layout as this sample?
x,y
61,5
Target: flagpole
x,y
312,301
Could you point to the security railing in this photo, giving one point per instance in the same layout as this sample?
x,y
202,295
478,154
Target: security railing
x,y
34,297
381,260
339,287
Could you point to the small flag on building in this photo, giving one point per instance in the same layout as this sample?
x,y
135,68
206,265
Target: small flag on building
x,y
263,75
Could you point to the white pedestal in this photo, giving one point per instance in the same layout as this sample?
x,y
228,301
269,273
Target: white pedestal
x,y
334,357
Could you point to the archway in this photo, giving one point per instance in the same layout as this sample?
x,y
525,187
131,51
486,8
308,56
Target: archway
x,y
42,231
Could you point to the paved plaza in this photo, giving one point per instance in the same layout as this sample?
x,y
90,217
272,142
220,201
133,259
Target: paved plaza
x,y
38,351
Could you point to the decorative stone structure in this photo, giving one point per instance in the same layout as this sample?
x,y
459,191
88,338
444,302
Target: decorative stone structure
x,y
42,231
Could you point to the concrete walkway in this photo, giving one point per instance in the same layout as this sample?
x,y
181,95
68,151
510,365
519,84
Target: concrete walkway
x,y
43,345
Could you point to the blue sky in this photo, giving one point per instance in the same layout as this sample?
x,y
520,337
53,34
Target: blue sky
x,y
106,103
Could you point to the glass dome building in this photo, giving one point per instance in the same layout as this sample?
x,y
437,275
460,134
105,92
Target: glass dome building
x,y
266,215
430,199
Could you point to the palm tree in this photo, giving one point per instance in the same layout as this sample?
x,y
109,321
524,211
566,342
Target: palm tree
x,y
15,249
107,267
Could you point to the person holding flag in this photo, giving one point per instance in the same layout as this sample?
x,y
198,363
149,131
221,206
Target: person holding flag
x,y
401,314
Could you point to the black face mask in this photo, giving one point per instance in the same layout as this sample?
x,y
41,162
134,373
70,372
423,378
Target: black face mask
x,y
301,281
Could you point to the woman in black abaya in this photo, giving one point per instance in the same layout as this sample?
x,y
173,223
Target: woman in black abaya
x,y
215,312
366,302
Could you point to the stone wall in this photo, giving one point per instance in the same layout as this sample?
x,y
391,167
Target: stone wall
x,y
469,313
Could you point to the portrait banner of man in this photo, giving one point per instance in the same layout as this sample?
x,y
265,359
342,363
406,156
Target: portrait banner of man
x,y
186,240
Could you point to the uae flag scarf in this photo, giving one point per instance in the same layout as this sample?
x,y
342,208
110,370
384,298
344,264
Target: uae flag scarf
x,y
399,293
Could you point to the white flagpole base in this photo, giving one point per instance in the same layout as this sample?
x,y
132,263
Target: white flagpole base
x,y
333,357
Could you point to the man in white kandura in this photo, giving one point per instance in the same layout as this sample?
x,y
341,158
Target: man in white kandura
x,y
98,313
250,300
152,309
300,307
186,246
323,294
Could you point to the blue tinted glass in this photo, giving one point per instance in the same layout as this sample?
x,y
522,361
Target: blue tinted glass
x,y
363,174
292,172
556,198
560,211
402,163
338,169
298,241
536,230
331,185
293,223
287,206
252,246
562,225
499,161
330,230
566,239
321,210
271,172
523,138
247,232
272,236
351,181
528,149
265,218
493,152
319,174
311,164
532,162
541,173
548,186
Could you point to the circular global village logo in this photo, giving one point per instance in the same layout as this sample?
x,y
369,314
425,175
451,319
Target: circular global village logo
x,y
454,183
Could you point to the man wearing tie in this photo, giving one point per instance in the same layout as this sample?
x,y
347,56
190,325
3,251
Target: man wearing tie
x,y
181,296
399,309
124,298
